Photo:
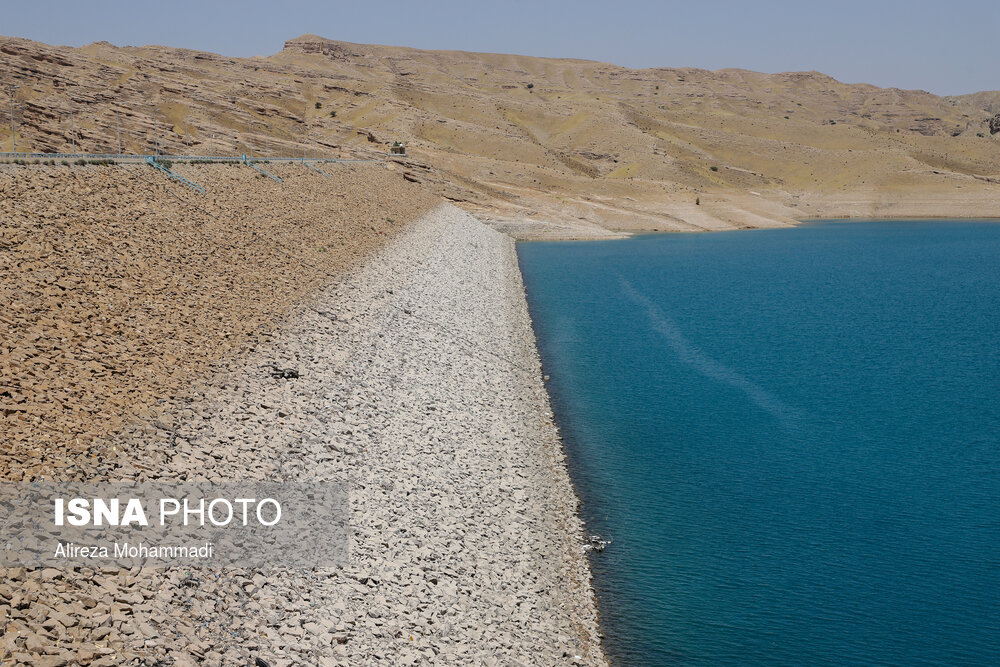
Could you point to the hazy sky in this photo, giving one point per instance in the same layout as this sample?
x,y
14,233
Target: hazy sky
x,y
944,47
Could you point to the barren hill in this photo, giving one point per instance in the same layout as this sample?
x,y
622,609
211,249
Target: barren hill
x,y
577,146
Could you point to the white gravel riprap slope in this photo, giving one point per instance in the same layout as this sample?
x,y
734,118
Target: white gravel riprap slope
x,y
461,493
419,381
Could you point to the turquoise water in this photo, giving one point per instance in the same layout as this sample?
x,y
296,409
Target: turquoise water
x,y
792,436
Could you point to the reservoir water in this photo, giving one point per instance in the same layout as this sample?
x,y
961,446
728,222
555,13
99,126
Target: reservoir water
x,y
792,437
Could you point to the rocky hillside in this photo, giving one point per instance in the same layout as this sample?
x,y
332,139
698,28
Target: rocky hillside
x,y
583,144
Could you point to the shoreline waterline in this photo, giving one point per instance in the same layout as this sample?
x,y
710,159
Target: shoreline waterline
x,y
625,234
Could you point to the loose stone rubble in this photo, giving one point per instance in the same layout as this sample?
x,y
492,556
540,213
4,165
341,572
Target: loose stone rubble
x,y
417,379
118,286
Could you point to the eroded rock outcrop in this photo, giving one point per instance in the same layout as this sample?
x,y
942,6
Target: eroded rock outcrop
x,y
316,45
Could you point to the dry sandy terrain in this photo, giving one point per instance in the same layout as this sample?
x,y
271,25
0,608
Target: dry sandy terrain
x,y
544,147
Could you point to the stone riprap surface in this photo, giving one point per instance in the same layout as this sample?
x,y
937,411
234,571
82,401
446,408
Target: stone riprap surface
x,y
419,382
119,286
